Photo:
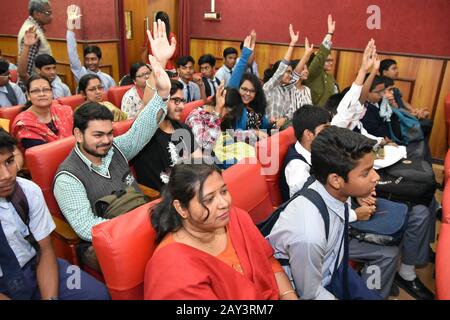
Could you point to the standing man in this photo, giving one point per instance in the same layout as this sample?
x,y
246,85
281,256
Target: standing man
x,y
40,14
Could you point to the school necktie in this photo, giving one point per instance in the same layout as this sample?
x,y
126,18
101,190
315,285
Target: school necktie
x,y
188,93
346,254
213,86
13,279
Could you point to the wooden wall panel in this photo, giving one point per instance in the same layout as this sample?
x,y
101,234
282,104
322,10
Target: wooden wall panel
x,y
438,139
419,77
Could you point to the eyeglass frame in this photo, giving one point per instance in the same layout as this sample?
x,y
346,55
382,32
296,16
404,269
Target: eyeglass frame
x,y
180,100
97,88
144,74
37,91
47,12
247,90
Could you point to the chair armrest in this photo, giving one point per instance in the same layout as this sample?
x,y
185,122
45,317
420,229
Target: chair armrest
x,y
149,192
65,232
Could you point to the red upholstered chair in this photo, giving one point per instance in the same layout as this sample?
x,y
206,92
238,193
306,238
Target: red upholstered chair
x,y
447,116
249,189
124,245
443,263
271,153
76,100
188,107
10,113
121,127
43,161
115,95
13,77
446,167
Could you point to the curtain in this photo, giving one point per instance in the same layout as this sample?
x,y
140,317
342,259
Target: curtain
x,y
183,28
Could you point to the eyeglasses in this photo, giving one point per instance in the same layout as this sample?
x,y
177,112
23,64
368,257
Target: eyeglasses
x,y
329,61
5,74
146,74
39,91
247,91
98,88
47,12
177,101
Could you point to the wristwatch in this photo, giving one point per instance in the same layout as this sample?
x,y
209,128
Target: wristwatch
x,y
53,298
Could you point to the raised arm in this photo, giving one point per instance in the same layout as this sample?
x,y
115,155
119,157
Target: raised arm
x,y
162,50
73,15
239,69
29,40
316,66
309,49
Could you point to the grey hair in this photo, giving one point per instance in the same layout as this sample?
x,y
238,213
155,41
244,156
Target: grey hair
x,y
36,5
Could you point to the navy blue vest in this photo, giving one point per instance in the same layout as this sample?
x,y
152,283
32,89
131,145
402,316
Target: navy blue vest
x,y
292,154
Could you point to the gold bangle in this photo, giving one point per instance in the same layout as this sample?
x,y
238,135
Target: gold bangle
x,y
148,85
286,293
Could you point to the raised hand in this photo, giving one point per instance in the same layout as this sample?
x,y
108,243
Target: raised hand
x,y
162,81
294,36
30,37
331,24
367,60
248,43
162,50
220,97
73,17
309,49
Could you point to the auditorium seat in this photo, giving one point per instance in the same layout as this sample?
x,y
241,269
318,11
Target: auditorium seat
x,y
249,189
443,249
115,95
271,153
10,113
124,245
121,127
188,107
77,100
447,117
43,162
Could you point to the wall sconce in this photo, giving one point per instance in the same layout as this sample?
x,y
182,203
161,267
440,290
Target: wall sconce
x,y
213,15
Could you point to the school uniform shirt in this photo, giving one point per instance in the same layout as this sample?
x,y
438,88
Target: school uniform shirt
x,y
251,69
154,162
299,235
60,89
77,69
191,94
4,101
41,223
224,73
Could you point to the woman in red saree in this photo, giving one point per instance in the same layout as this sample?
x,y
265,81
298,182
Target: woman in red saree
x,y
208,249
43,120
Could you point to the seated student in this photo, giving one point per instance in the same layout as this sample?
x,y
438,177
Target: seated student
x,y
10,93
193,86
303,93
308,122
252,66
420,228
207,64
138,96
98,164
222,254
229,60
92,55
320,81
42,121
45,66
91,88
171,142
12,66
27,273
283,98
342,162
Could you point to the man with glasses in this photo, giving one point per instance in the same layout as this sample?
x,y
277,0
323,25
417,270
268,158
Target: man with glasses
x,y
172,142
10,93
320,81
40,14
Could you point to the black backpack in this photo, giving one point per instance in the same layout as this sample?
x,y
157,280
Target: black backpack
x,y
410,181
20,203
313,196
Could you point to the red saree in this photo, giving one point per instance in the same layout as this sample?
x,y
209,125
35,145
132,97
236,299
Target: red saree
x,y
27,125
177,271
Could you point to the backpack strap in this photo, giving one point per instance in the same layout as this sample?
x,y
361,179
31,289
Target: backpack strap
x,y
20,204
314,197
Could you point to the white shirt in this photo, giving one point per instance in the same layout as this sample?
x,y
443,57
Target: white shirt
x,y
194,91
60,89
350,112
4,101
224,74
41,222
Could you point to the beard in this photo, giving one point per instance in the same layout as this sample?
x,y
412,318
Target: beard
x,y
94,153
